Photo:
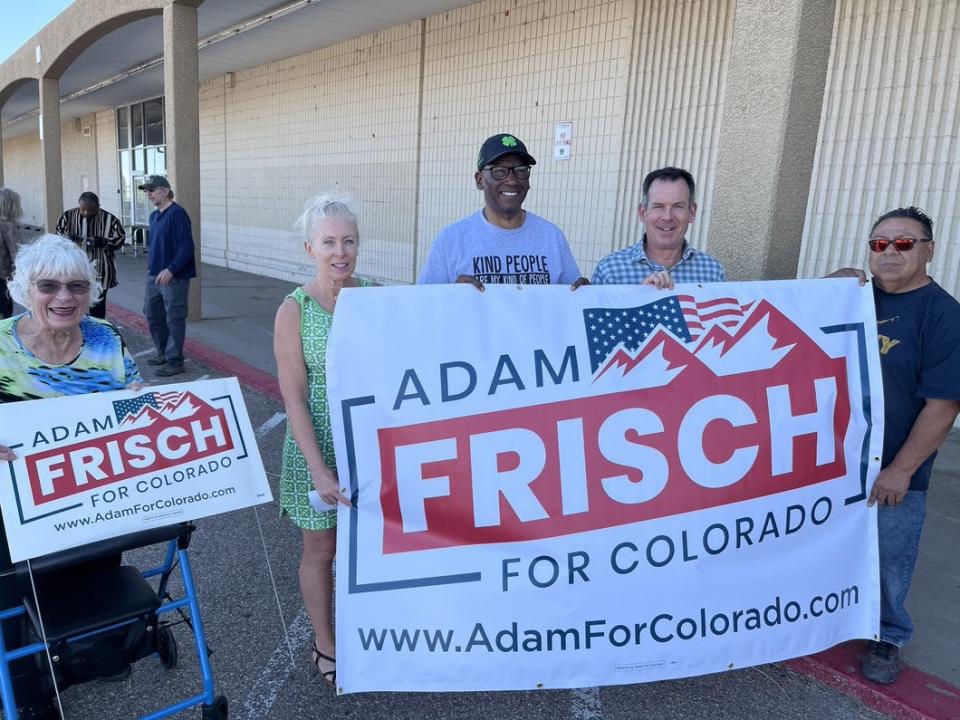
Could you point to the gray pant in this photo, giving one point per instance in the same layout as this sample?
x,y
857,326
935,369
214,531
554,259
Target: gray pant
x,y
166,309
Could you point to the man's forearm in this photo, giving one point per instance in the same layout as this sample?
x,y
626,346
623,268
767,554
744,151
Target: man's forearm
x,y
927,434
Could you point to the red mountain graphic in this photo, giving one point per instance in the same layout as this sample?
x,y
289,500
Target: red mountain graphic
x,y
780,328
674,352
187,398
762,347
147,415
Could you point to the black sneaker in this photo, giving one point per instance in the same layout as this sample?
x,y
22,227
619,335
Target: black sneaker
x,y
157,360
168,370
881,663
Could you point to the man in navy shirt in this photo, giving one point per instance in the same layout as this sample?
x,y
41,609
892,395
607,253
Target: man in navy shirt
x,y
170,267
918,325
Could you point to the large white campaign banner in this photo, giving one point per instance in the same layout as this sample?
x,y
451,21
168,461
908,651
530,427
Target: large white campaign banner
x,y
556,488
91,467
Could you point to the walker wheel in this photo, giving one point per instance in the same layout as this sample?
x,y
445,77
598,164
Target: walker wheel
x,y
217,711
167,648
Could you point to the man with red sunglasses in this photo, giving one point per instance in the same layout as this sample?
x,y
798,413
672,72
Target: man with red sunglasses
x,y
919,332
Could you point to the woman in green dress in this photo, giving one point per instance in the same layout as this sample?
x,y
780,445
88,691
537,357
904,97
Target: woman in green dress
x,y
303,321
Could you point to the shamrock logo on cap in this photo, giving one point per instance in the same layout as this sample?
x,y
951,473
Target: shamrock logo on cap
x,y
509,141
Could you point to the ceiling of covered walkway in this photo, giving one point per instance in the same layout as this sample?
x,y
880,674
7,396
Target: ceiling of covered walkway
x,y
126,65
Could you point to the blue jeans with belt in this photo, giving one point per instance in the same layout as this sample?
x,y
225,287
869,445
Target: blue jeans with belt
x,y
899,531
165,307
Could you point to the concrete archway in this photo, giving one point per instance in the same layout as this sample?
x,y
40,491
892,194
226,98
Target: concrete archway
x,y
51,51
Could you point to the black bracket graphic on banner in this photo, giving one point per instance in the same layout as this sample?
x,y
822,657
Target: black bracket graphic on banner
x,y
865,402
357,587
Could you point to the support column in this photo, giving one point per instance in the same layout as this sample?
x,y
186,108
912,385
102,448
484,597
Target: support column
x,y
775,84
1,156
50,151
181,98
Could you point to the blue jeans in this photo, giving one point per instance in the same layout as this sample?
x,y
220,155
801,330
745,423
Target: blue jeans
x,y
166,309
899,536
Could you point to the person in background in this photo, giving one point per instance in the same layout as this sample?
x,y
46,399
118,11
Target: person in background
x,y
54,348
502,242
170,266
101,234
331,240
10,239
918,327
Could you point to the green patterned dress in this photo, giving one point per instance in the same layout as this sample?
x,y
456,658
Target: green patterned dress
x,y
295,481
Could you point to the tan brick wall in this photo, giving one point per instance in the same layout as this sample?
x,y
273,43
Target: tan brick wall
x,y
521,67
674,102
213,173
888,133
642,83
338,119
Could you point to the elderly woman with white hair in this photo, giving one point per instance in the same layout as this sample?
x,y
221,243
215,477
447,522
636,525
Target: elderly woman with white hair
x,y
331,239
54,349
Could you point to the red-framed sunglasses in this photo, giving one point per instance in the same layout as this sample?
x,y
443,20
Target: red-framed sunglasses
x,y
900,244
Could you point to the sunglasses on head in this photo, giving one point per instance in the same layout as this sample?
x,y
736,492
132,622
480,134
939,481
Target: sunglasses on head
x,y
52,287
900,244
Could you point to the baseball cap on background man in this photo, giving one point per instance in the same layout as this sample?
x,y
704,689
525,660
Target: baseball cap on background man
x,y
502,144
154,181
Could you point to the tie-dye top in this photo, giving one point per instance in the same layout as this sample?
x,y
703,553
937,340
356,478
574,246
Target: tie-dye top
x,y
104,363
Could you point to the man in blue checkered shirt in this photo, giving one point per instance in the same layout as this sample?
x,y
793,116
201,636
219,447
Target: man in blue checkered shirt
x,y
667,207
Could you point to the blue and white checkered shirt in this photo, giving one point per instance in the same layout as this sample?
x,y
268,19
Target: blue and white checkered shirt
x,y
632,266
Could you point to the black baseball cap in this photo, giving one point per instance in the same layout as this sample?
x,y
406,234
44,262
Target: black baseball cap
x,y
154,181
502,144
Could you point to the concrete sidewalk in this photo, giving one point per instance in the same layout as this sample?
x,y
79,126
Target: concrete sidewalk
x,y
235,336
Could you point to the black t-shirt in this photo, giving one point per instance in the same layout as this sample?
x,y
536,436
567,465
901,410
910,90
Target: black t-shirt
x,y
919,333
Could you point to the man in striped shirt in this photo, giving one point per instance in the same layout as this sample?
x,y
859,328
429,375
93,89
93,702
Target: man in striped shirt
x,y
667,207
101,234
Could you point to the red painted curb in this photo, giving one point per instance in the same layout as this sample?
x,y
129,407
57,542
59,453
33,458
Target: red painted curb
x,y
249,376
915,696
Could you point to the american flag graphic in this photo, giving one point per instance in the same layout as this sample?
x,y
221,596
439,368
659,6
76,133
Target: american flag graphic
x,y
125,408
627,328
720,311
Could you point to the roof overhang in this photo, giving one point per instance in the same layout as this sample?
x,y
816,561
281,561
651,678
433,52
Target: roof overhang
x,y
119,60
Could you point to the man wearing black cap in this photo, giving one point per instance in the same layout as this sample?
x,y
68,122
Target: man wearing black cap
x,y
169,268
501,243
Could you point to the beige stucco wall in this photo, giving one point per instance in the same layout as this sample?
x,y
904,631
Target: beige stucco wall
x,y
21,172
81,160
80,165
108,169
888,133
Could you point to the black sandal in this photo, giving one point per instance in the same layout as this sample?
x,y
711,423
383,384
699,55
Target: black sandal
x,y
330,676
